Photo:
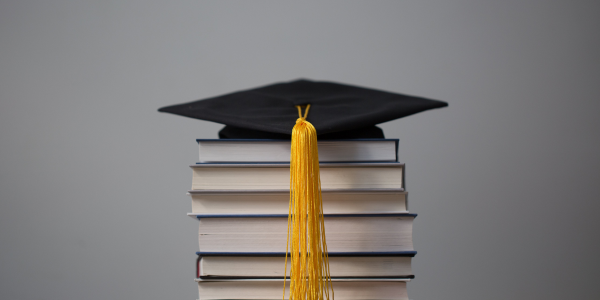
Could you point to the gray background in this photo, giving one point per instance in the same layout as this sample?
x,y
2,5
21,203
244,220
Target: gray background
x,y
93,178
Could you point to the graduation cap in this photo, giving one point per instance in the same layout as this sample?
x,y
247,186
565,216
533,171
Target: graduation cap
x,y
337,111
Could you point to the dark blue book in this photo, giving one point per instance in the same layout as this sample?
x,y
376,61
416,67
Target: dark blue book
x,y
271,265
340,201
276,176
345,233
273,289
264,151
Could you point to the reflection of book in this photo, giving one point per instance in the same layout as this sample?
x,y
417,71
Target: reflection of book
x,y
276,201
348,289
250,176
270,265
268,233
232,150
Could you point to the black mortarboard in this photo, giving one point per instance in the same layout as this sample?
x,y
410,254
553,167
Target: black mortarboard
x,y
337,111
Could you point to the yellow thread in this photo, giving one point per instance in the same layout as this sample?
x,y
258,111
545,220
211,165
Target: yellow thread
x,y
309,273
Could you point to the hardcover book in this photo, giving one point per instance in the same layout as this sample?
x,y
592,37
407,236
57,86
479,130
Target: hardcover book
x,y
268,233
276,176
342,201
256,150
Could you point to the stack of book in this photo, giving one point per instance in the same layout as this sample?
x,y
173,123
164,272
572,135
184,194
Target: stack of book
x,y
240,196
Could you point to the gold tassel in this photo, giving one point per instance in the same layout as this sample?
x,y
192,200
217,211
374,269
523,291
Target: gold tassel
x,y
309,273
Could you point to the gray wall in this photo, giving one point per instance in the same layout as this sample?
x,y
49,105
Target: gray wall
x,y
93,179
